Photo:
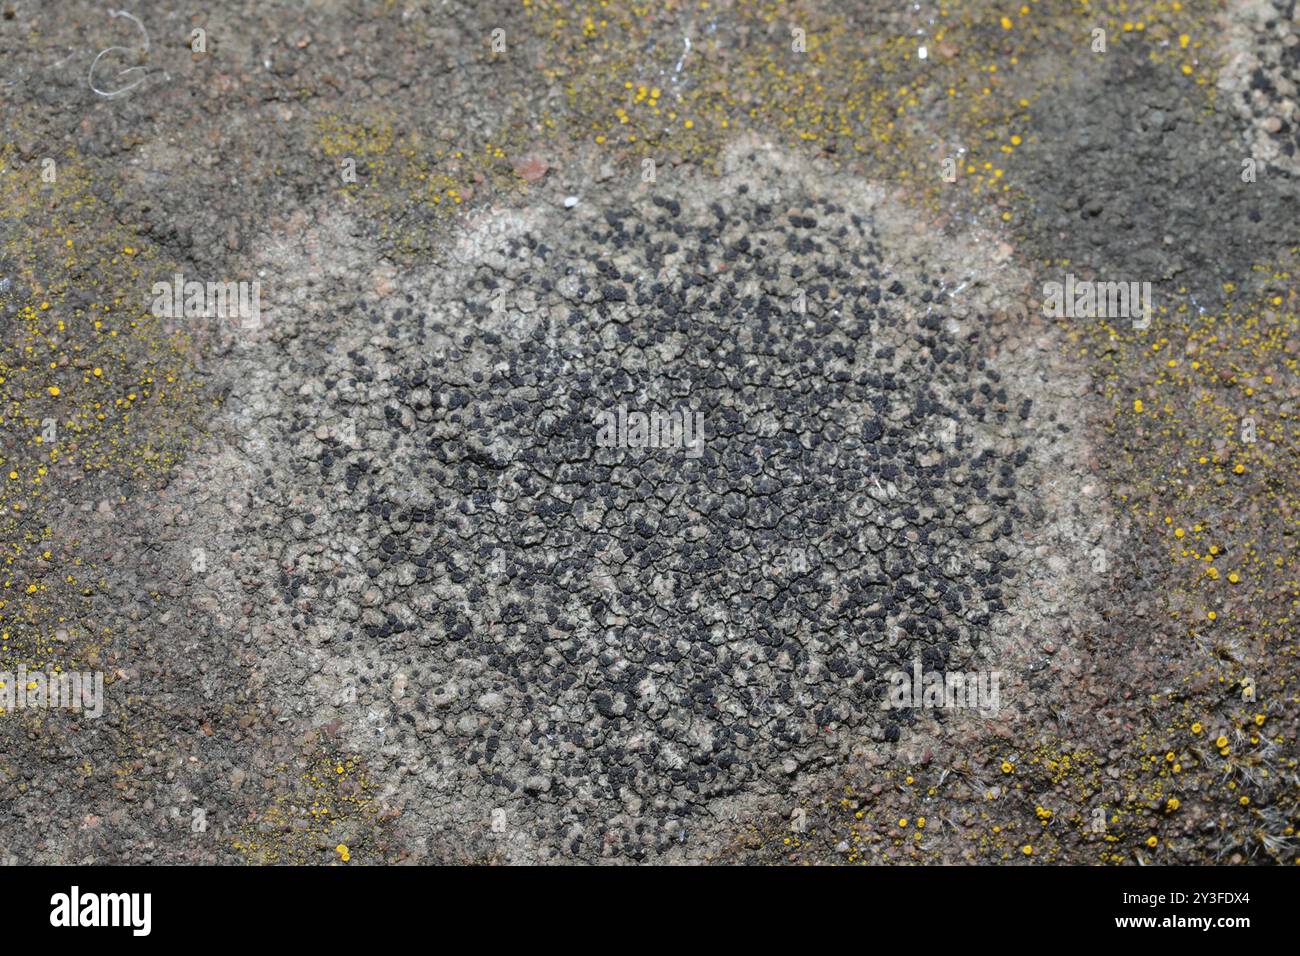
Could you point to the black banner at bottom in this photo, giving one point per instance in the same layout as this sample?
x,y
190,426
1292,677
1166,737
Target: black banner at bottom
x,y
140,904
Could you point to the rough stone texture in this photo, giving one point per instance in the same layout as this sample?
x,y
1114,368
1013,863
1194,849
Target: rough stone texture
x,y
363,577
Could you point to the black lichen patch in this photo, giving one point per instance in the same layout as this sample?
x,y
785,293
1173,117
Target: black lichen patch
x,y
644,630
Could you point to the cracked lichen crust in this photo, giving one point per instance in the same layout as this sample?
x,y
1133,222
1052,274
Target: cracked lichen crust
x,y
603,640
